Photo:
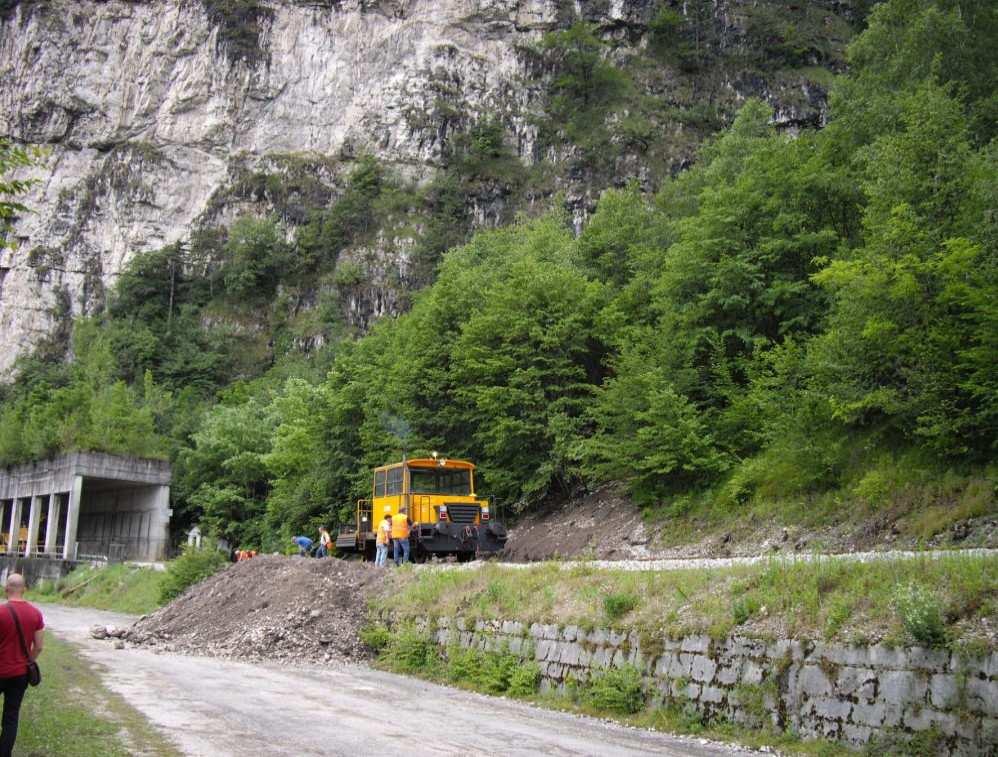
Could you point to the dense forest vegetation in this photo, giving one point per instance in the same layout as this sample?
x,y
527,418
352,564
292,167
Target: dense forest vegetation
x,y
794,316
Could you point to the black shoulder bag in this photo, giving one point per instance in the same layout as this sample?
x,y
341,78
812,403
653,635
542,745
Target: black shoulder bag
x,y
34,673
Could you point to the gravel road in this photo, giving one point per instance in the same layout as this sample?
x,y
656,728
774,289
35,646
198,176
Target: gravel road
x,y
210,706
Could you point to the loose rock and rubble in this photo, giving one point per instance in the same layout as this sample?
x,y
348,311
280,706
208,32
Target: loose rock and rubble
x,y
606,524
269,608
108,632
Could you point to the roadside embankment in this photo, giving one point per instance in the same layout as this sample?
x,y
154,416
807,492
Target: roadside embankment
x,y
888,649
607,524
833,599
123,588
881,652
850,693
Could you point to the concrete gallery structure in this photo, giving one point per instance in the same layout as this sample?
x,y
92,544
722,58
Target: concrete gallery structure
x,y
86,505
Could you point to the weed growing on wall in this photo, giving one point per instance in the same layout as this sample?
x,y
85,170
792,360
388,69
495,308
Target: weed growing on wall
x,y
494,672
524,680
617,690
410,650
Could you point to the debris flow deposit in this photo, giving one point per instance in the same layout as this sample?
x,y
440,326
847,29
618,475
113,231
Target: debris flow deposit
x,y
268,608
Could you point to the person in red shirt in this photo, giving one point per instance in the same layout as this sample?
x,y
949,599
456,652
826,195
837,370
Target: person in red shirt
x,y
13,664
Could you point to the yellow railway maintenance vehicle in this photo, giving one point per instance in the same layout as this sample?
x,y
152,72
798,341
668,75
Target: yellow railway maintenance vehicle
x,y
448,517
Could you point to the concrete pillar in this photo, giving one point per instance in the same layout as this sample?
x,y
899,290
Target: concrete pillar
x,y
3,513
159,528
14,526
34,520
52,524
72,519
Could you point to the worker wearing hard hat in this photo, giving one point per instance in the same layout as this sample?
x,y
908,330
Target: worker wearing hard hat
x,y
400,535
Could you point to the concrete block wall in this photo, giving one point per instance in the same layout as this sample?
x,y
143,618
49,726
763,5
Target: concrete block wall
x,y
138,517
843,692
35,569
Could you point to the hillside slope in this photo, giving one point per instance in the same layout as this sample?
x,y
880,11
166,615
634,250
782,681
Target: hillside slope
x,y
607,525
167,118
798,329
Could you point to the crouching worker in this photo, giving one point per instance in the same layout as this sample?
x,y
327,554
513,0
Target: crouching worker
x,y
303,543
21,636
400,535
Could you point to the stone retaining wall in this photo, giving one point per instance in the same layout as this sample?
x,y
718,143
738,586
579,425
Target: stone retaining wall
x,y
835,691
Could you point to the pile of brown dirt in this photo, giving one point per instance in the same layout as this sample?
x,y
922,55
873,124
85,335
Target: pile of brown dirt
x,y
275,608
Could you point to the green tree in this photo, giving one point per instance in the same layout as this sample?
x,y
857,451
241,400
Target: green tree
x,y
585,88
255,255
583,79
522,366
329,231
906,41
154,321
224,474
299,463
649,434
13,157
908,334
724,278
90,410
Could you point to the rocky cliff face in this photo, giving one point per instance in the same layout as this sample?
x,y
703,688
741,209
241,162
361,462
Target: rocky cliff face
x,y
151,108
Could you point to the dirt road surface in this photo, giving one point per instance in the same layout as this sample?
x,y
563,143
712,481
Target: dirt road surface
x,y
209,706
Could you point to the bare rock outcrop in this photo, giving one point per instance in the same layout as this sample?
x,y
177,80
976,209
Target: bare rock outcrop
x,y
152,108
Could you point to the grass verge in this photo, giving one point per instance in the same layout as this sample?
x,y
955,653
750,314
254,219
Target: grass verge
x,y
920,600
121,588
128,588
73,713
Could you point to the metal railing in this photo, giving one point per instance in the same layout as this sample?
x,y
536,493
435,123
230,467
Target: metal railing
x,y
38,551
121,549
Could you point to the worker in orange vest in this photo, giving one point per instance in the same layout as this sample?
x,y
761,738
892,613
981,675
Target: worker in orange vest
x,y
382,541
400,535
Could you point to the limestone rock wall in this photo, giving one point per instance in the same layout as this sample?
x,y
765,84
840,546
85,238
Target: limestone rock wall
x,y
144,112
147,113
848,693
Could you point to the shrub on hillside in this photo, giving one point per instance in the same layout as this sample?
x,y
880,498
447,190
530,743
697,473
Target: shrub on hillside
x,y
410,651
920,614
376,637
494,672
617,606
744,608
616,690
524,680
193,566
